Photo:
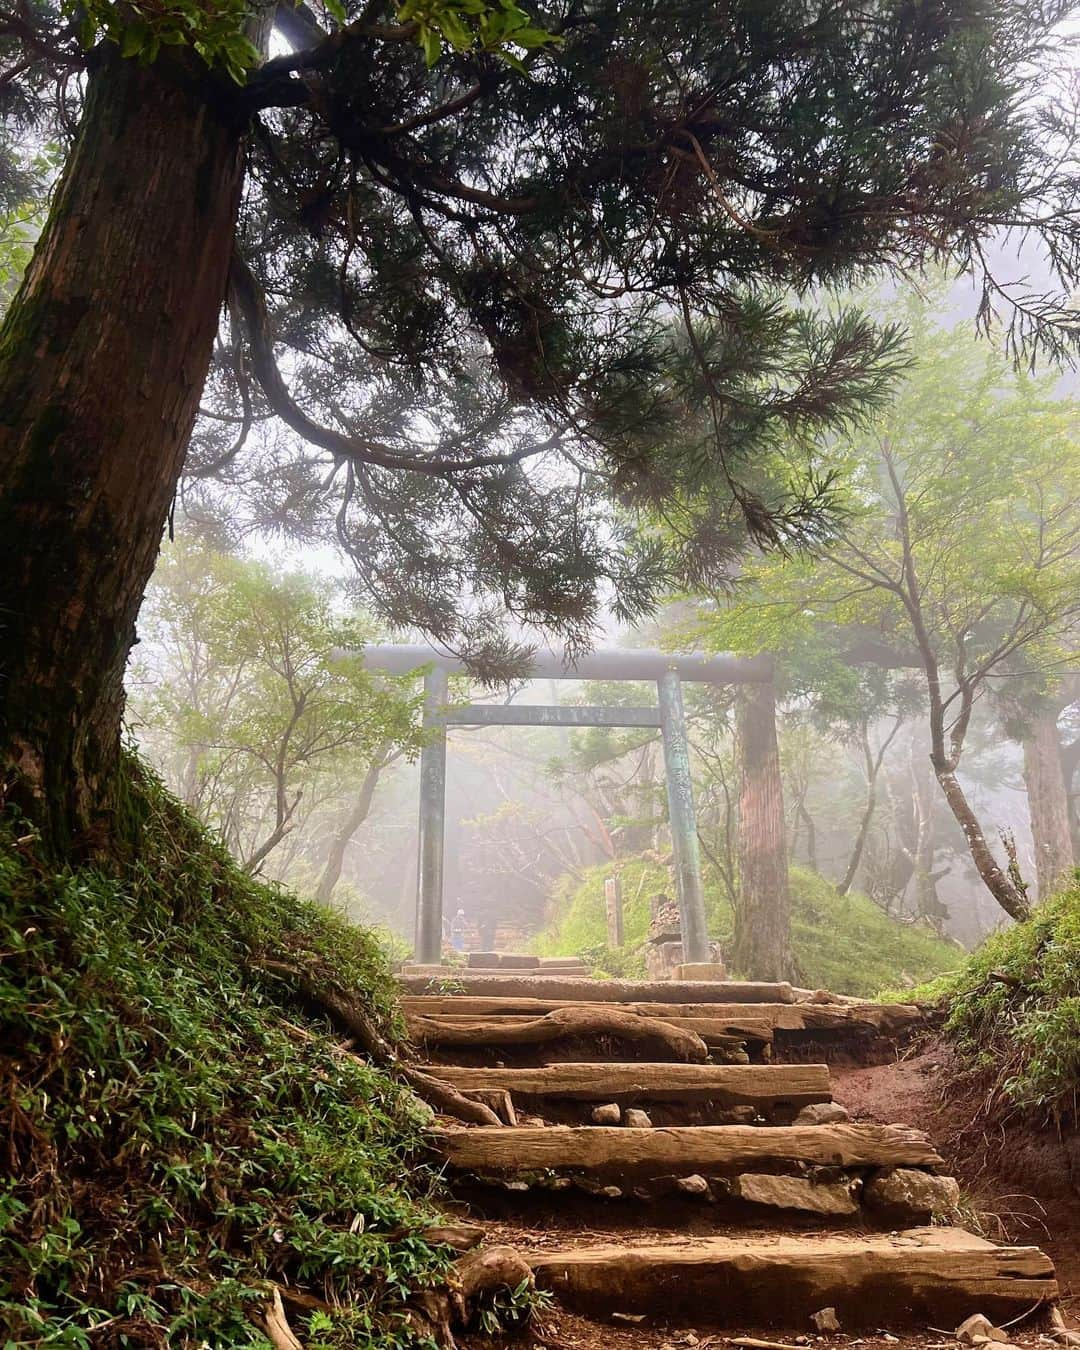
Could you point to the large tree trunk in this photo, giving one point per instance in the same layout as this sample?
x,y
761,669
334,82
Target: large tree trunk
x,y
762,946
103,355
1048,803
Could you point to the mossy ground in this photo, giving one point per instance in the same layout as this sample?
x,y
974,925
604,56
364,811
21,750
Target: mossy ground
x,y
844,943
180,1131
1013,1013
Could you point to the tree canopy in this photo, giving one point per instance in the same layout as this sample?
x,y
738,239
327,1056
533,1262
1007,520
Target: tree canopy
x,y
957,556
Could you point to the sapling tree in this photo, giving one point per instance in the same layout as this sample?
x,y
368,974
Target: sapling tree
x,y
242,695
449,237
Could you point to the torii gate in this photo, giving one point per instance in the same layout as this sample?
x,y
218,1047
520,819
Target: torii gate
x,y
667,670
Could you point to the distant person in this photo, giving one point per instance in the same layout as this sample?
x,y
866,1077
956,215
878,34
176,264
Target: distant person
x,y
488,926
457,931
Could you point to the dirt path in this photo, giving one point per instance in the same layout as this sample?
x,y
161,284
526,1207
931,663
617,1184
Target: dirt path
x,y
1024,1185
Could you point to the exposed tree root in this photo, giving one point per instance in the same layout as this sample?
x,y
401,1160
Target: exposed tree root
x,y
565,1024
369,1041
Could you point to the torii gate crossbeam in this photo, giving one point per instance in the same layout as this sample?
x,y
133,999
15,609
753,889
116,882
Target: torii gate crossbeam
x,y
667,670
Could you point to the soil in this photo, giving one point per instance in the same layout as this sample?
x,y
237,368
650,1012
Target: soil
x,y
1022,1185
1022,1182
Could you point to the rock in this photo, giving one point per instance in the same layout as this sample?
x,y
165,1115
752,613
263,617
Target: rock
x,y
978,1330
822,1113
825,1319
908,1193
611,1192
637,1120
608,1114
786,1192
693,1185
737,1115
1060,1333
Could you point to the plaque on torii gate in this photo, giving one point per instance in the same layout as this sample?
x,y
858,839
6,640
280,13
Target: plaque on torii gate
x,y
668,671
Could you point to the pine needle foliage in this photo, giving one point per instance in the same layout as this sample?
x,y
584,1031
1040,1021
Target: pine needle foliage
x,y
181,1134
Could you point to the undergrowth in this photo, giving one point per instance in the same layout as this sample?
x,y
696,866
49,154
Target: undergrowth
x,y
844,943
1013,1012
181,1133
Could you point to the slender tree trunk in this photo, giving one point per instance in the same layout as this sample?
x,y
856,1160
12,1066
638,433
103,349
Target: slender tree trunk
x,y
762,946
873,768
927,902
1048,803
811,837
335,859
103,354
1011,900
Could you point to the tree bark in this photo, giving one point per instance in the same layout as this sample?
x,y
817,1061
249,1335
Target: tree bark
x,y
997,882
873,768
762,945
103,354
335,859
1048,803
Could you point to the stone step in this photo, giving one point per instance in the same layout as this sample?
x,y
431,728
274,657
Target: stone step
x,y
763,1087
537,984
523,962
723,1150
936,1276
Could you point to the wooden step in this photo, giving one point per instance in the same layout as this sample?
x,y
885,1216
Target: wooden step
x,y
747,1018
417,980
760,1086
929,1275
683,1150
450,1029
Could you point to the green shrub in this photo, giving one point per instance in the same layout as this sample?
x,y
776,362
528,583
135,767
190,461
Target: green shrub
x,y
181,1131
844,943
1013,1011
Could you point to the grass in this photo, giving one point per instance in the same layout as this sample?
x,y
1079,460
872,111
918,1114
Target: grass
x,y
1013,1012
844,943
181,1132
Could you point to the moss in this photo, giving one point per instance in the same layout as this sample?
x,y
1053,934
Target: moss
x,y
1013,1012
184,1131
844,943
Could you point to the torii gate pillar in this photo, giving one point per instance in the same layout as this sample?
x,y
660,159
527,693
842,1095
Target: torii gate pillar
x,y
684,840
667,670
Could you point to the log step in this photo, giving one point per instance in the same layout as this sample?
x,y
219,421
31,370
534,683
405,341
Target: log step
x,y
760,1086
708,1149
449,1029
741,1018
927,1275
417,980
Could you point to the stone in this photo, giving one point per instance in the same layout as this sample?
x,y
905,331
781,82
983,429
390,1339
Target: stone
x,y
700,970
909,1193
608,1114
693,1185
787,1192
825,1319
978,1330
822,1113
736,1115
637,1120
661,958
